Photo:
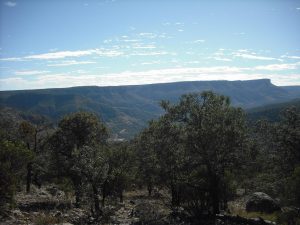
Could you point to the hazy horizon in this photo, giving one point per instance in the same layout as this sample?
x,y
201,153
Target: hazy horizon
x,y
54,44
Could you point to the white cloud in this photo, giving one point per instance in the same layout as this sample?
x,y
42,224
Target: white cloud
x,y
193,62
199,41
146,77
139,46
60,55
150,63
221,59
30,72
290,56
253,56
131,40
10,4
107,53
148,35
12,59
278,67
78,53
71,62
149,53
239,33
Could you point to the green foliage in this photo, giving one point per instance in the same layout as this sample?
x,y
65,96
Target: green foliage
x,y
122,169
78,148
190,148
130,107
289,216
13,159
293,187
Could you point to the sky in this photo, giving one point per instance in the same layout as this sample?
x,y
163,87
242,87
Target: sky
x,y
64,43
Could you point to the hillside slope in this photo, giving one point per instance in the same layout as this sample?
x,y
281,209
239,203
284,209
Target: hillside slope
x,y
126,109
271,112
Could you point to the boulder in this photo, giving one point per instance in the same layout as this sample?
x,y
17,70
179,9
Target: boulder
x,y
150,213
261,202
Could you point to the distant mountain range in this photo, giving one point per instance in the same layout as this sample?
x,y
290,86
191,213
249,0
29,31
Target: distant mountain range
x,y
126,109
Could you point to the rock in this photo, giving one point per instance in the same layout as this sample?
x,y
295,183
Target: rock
x,y
17,213
63,224
150,213
261,202
46,198
77,216
240,191
57,214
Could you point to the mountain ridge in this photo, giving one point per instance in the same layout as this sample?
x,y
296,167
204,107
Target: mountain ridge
x,y
130,107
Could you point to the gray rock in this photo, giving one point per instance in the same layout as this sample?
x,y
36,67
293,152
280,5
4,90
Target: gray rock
x,y
150,213
261,202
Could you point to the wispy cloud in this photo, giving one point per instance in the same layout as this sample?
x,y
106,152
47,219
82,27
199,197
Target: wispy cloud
x,y
278,67
290,56
12,59
30,72
71,62
253,56
67,54
10,4
148,35
150,53
199,41
218,58
148,77
131,40
140,46
60,55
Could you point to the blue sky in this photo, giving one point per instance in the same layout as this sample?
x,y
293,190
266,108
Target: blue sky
x,y
63,43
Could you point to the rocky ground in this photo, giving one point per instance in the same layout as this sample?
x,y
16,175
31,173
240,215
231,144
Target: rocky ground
x,y
49,205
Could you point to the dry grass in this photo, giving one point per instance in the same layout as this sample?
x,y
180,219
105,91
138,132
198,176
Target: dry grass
x,y
46,220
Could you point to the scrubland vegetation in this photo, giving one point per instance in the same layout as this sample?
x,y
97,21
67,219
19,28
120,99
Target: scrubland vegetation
x,y
193,158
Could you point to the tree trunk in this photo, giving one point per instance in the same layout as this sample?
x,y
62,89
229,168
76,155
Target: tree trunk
x,y
28,178
121,195
96,200
175,196
215,195
104,193
150,188
78,193
77,197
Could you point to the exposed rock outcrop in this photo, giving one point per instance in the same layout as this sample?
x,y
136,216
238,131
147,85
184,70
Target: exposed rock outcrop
x,y
261,202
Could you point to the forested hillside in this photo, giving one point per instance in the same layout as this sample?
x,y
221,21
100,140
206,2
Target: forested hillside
x,y
126,109
200,162
271,112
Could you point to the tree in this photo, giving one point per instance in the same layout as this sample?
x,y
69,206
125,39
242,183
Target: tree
x,y
287,139
206,136
163,158
13,159
148,161
122,169
34,139
77,148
